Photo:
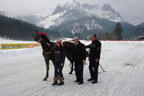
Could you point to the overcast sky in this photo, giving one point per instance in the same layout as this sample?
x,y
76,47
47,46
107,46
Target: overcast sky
x,y
131,10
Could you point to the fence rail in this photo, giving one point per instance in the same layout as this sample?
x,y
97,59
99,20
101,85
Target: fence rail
x,y
7,46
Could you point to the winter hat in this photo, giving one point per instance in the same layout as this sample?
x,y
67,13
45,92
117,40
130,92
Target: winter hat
x,y
59,41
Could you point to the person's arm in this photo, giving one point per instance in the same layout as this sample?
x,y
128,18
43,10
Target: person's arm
x,y
63,60
53,47
98,51
88,46
84,52
63,56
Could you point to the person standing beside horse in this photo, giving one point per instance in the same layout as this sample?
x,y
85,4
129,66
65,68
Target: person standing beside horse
x,y
94,58
79,59
58,63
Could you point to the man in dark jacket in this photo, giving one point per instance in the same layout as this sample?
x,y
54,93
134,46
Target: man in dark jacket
x,y
79,59
94,58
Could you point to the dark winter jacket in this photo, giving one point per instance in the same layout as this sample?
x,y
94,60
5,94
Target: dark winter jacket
x,y
59,54
95,49
79,52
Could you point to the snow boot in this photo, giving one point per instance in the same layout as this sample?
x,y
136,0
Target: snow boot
x,y
61,81
62,78
55,81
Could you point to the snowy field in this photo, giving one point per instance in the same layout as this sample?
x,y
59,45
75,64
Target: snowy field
x,y
22,71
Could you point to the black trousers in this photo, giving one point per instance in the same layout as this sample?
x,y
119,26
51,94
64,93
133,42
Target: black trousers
x,y
79,70
93,68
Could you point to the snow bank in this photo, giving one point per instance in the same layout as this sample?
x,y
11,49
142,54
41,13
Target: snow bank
x,y
6,40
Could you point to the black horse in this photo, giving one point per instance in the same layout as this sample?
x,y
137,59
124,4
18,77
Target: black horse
x,y
68,51
48,48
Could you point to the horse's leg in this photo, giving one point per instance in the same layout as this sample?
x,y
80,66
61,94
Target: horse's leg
x,y
71,61
47,69
71,67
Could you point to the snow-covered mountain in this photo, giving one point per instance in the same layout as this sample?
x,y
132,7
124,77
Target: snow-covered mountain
x,y
33,18
73,18
73,10
68,10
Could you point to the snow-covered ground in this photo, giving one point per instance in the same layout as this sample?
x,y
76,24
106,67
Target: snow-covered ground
x,y
5,40
22,71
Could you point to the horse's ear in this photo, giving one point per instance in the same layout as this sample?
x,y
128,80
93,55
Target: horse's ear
x,y
35,37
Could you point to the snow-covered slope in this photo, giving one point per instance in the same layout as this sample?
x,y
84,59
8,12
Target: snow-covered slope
x,y
51,20
22,71
69,7
71,17
2,12
33,18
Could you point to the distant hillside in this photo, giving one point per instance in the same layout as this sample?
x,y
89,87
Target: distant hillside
x,y
72,18
139,30
16,29
83,27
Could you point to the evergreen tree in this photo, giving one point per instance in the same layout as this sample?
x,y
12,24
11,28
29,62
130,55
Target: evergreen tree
x,y
19,30
117,32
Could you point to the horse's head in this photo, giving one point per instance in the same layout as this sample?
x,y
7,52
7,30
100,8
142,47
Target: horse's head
x,y
40,37
36,37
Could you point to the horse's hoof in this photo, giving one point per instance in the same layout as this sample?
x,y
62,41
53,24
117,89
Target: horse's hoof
x,y
44,79
70,73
